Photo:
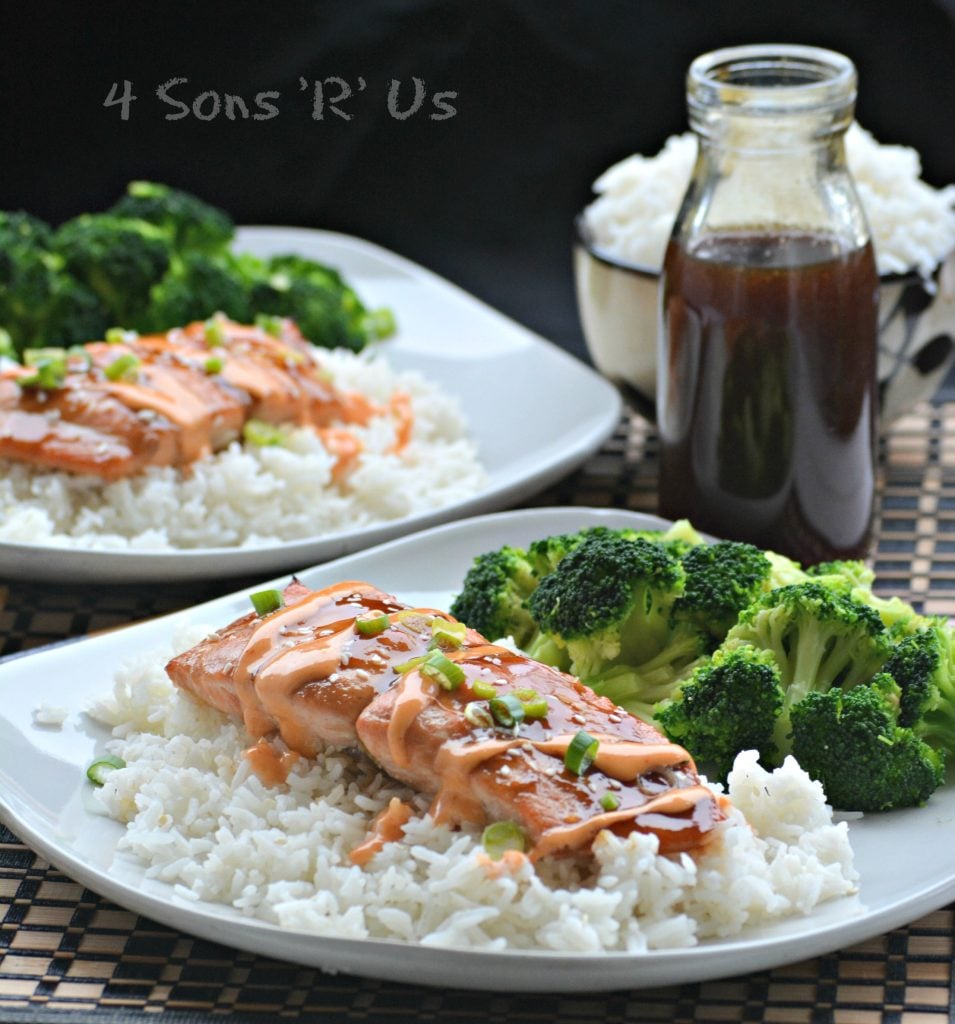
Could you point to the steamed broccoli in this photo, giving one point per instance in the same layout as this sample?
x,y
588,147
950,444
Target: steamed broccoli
x,y
316,297
190,223
721,580
119,260
196,286
851,741
923,665
728,705
494,594
609,601
821,637
40,304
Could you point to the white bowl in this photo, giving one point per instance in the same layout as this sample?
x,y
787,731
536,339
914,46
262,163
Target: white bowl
x,y
617,302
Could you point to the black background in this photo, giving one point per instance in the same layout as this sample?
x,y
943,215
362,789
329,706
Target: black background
x,y
548,95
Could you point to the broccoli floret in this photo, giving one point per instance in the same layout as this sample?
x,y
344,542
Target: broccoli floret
x,y
195,287
821,638
189,222
728,705
852,743
640,688
924,668
609,601
119,260
328,312
856,573
40,304
494,594
721,580
783,571
545,554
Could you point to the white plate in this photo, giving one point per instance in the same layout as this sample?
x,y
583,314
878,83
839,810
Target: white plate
x,y
535,412
904,857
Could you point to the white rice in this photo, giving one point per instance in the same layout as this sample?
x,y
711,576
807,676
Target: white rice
x,y
247,496
912,224
200,820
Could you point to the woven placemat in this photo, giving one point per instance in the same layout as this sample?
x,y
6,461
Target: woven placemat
x,y
63,948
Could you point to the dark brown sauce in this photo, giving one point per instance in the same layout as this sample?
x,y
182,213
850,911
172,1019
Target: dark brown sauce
x,y
768,419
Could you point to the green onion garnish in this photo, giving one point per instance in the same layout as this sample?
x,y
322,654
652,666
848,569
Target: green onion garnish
x,y
81,353
270,324
443,671
263,434
48,374
214,332
37,356
581,753
407,666
124,367
214,364
447,634
478,714
483,689
502,836
373,626
118,335
610,801
265,601
102,768
507,710
535,706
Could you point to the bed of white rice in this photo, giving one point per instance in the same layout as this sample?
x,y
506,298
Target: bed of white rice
x,y
247,496
912,224
200,820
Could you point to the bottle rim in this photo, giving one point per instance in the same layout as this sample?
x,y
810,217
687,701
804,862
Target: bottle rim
x,y
771,79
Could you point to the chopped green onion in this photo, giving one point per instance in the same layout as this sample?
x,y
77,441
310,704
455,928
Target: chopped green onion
x,y
48,374
373,626
270,324
102,768
483,689
535,706
407,666
507,710
265,601
118,335
610,801
581,752
502,836
214,364
379,323
214,332
124,367
478,714
448,634
443,671
414,620
263,434
38,356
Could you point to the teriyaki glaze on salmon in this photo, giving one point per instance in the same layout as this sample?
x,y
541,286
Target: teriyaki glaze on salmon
x,y
490,734
114,408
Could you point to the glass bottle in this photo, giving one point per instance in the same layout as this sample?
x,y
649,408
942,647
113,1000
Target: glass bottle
x,y
766,396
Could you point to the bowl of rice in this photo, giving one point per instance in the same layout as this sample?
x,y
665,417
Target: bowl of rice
x,y
622,235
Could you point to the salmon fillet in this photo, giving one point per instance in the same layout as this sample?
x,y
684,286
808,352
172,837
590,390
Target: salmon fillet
x,y
169,399
344,667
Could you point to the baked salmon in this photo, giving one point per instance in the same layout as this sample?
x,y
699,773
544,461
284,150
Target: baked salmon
x,y
428,701
113,409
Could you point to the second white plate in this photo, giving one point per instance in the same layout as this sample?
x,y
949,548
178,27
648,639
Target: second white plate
x,y
535,412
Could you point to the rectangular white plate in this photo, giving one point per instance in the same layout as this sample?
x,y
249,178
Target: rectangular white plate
x,y
904,857
535,413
